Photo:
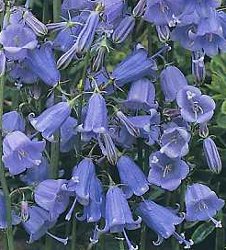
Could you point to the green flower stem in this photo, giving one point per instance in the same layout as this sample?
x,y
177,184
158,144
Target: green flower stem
x,y
78,140
56,10
9,231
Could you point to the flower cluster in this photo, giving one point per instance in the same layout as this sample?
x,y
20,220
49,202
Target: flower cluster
x,y
125,128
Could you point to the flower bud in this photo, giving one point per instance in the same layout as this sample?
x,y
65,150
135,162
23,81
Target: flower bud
x,y
139,9
198,66
212,155
163,32
124,28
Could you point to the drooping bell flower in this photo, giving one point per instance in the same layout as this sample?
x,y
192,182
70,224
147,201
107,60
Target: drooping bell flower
x,y
209,36
3,221
134,67
50,120
83,41
82,182
118,216
141,95
37,174
32,22
148,125
50,195
17,40
198,66
172,80
123,29
20,153
202,7
113,10
166,172
21,73
202,204
162,220
68,134
212,155
93,211
163,12
195,107
174,142
38,224
133,179
96,125
12,121
41,61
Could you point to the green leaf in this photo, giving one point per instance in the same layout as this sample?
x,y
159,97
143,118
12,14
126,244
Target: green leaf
x,y
223,108
202,232
221,120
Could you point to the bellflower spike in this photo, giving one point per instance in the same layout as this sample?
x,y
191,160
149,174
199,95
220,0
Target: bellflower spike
x,y
202,204
212,155
12,121
134,67
37,174
195,107
124,28
132,177
51,119
162,220
20,153
17,40
166,172
141,95
50,195
41,61
174,142
118,216
172,80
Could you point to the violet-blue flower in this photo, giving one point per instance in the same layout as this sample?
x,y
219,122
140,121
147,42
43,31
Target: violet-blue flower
x,y
134,67
17,40
41,61
12,121
174,142
172,80
195,107
37,174
166,172
133,179
141,95
202,204
50,195
212,155
50,120
20,153
123,29
118,215
162,220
